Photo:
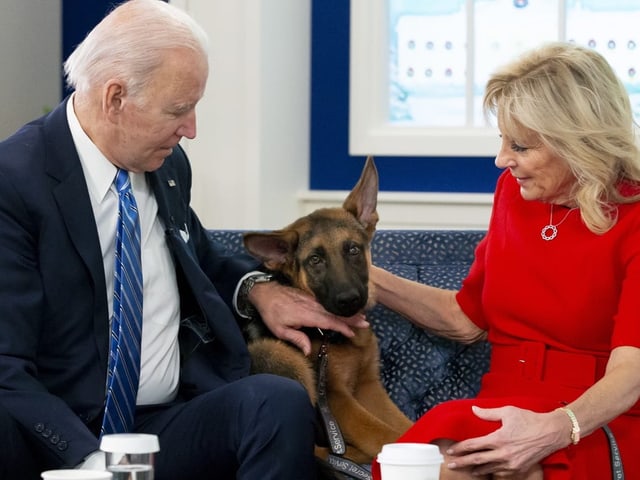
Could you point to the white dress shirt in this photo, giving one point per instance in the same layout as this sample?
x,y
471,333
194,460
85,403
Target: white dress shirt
x,y
160,355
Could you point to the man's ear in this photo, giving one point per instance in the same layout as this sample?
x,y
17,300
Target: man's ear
x,y
113,98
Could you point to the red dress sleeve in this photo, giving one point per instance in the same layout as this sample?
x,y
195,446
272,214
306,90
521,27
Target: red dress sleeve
x,y
470,295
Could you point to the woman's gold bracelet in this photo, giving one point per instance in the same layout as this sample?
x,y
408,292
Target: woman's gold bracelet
x,y
575,426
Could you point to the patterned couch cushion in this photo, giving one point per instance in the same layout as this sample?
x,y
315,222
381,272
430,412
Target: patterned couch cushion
x,y
418,369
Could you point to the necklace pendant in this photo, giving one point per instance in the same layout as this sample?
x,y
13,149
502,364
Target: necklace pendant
x,y
549,232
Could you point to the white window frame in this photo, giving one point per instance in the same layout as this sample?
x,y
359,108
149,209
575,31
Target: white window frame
x,y
369,132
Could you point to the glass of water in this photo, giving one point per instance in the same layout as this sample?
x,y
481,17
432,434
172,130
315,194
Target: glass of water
x,y
130,456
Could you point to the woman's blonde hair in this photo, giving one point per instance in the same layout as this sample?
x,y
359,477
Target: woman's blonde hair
x,y
570,98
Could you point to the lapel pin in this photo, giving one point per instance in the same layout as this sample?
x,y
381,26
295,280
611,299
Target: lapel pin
x,y
185,233
171,182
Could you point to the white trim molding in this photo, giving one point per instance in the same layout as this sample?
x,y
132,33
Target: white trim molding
x,y
421,211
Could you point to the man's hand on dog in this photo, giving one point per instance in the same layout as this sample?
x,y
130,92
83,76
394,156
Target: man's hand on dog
x,y
285,310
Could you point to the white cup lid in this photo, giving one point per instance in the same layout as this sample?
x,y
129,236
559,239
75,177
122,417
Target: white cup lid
x,y
130,443
410,454
76,474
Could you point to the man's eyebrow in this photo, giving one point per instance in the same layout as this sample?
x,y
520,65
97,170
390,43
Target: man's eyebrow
x,y
182,107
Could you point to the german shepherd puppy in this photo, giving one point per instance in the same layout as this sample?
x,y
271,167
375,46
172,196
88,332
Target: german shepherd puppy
x,y
326,254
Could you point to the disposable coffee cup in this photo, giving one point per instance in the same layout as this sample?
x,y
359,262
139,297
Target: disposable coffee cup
x,y
76,475
130,456
410,461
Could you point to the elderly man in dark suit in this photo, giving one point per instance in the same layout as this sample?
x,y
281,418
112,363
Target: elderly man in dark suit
x,y
137,78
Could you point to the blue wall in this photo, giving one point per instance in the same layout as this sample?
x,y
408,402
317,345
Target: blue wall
x,y
78,17
332,168
331,165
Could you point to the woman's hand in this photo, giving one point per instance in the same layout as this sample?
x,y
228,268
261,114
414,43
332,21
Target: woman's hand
x,y
524,439
285,310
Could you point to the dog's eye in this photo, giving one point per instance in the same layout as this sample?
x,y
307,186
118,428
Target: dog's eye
x,y
354,250
315,259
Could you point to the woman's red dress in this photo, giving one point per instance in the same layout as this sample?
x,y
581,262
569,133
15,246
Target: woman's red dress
x,y
553,311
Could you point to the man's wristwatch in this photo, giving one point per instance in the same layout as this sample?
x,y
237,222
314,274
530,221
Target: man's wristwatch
x,y
244,306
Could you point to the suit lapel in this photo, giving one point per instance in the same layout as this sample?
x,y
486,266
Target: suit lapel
x,y
70,191
230,353
167,189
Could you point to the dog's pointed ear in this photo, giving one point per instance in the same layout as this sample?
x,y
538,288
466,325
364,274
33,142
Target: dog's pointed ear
x,y
362,202
274,249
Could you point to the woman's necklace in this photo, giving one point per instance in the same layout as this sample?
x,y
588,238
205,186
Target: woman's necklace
x,y
550,231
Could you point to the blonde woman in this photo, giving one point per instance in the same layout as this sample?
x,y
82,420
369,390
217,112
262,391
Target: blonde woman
x,y
554,286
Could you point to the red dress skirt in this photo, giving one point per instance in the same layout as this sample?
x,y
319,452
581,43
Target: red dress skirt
x,y
589,460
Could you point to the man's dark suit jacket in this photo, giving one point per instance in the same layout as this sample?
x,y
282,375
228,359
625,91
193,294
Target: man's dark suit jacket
x,y
54,325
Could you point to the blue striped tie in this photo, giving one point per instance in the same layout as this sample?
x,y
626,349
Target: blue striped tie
x,y
126,323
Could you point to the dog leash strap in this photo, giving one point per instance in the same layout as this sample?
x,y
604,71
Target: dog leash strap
x,y
334,435
349,468
616,460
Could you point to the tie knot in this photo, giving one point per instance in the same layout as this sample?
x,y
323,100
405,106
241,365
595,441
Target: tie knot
x,y
122,180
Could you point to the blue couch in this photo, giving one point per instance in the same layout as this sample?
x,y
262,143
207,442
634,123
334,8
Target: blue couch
x,y
418,369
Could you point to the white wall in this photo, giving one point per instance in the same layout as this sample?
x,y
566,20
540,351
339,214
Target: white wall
x,y
250,157
30,55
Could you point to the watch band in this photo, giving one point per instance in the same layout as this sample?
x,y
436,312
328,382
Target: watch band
x,y
244,306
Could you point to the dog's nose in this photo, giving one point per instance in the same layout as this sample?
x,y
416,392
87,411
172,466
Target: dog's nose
x,y
349,302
